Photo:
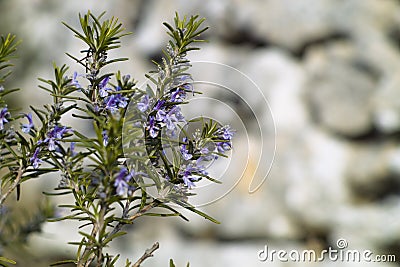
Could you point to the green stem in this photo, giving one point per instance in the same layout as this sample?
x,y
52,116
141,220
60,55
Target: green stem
x,y
14,185
143,211
102,229
147,254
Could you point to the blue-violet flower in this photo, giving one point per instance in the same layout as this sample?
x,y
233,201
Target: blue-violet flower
x,y
143,105
34,160
56,133
4,114
26,128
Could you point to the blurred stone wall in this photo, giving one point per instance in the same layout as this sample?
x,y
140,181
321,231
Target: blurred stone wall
x,y
330,72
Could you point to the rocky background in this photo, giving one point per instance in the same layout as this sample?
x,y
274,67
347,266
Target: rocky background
x,y
330,72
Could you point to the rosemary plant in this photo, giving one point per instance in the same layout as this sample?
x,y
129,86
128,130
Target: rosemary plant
x,y
141,155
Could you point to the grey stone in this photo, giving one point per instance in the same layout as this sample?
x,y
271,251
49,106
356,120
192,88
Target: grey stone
x,y
387,105
339,93
372,172
289,23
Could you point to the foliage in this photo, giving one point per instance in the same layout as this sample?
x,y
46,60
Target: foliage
x,y
140,156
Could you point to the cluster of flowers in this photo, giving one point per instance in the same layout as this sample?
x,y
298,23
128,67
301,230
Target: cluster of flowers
x,y
160,116
166,111
51,142
198,152
163,116
101,176
123,179
112,101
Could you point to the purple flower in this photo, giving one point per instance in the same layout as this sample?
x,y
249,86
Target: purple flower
x,y
143,105
185,82
3,117
189,175
96,108
105,138
121,181
174,115
104,82
26,128
189,180
184,151
74,81
52,144
207,155
72,149
102,86
152,127
1,88
223,146
177,112
34,160
160,116
188,87
56,133
103,92
116,101
178,95
111,104
122,101
227,132
60,131
159,104
204,151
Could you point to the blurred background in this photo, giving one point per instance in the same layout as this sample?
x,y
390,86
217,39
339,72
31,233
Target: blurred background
x,y
329,70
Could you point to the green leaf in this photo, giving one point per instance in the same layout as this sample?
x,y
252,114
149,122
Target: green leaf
x,y
110,238
63,262
143,201
210,178
9,91
39,113
169,27
3,259
202,214
8,46
173,210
